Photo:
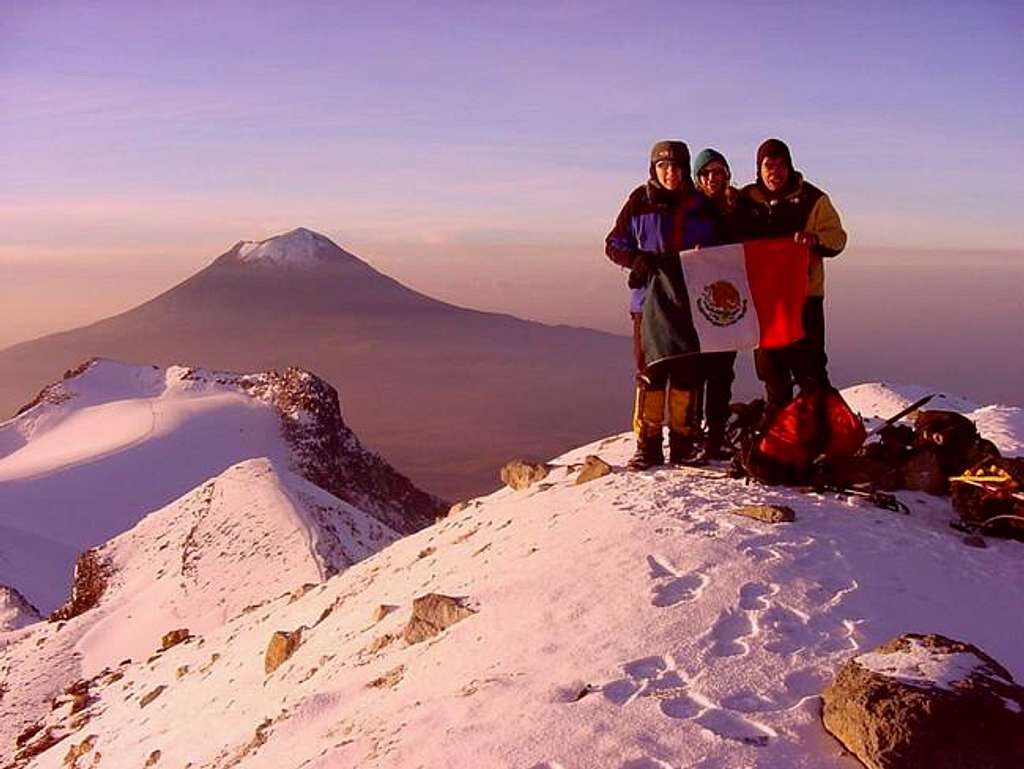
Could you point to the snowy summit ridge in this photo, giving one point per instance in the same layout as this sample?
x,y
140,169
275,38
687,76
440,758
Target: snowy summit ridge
x,y
300,247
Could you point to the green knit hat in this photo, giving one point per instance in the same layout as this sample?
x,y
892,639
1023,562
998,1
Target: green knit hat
x,y
709,155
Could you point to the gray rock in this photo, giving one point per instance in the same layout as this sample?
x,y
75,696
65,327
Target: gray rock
x,y
519,473
926,701
432,613
593,468
767,513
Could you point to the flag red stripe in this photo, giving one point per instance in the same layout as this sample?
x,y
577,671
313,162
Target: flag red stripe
x,y
777,274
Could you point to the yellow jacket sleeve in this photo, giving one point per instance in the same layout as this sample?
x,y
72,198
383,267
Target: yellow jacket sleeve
x,y
824,222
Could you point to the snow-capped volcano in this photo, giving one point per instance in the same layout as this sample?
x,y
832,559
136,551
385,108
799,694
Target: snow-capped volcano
x,y
445,393
296,248
633,621
111,442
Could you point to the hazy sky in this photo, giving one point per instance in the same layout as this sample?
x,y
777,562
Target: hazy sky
x,y
140,139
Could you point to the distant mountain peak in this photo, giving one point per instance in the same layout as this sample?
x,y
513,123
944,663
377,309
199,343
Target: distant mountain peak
x,y
295,248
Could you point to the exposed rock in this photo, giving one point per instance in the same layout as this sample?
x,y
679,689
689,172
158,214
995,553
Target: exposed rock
x,y
458,507
593,468
15,610
973,540
923,472
431,614
91,576
300,591
75,752
282,645
326,452
389,679
149,697
927,701
381,612
173,638
519,473
153,759
767,513
378,643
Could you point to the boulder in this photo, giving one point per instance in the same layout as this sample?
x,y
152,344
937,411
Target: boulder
x,y
173,638
593,468
282,645
518,474
926,701
767,513
432,613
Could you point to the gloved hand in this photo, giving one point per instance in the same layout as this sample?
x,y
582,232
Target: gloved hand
x,y
644,263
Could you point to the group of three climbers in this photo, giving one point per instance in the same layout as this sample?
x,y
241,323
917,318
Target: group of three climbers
x,y
669,214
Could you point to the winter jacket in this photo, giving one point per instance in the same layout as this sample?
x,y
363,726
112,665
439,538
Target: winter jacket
x,y
802,207
658,222
661,222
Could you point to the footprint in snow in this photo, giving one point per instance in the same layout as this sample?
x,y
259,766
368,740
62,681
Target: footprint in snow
x,y
733,726
754,595
729,637
671,587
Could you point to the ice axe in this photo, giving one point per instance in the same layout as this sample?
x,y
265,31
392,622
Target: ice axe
x,y
897,417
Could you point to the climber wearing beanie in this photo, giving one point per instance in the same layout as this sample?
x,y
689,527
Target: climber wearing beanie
x,y
662,217
716,370
782,204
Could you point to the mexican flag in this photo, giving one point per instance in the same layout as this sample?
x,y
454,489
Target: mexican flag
x,y
735,297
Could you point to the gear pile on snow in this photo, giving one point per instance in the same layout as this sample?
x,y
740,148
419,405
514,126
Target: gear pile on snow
x,y
817,441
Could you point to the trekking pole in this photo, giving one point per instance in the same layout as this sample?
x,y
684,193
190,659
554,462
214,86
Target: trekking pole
x,y
908,410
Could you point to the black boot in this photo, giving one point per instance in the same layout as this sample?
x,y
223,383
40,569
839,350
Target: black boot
x,y
648,454
682,448
716,447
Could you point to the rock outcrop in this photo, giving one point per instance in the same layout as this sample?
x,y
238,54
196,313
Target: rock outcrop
x,y
431,614
15,610
519,474
927,701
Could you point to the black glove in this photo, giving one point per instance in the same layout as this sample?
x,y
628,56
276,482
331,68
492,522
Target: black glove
x,y
645,263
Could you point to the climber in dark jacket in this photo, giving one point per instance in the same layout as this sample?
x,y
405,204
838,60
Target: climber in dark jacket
x,y
782,204
662,217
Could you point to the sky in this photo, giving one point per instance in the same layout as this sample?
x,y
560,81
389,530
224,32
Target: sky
x,y
141,139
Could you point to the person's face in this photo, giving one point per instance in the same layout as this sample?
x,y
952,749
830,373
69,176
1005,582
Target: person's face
x,y
713,179
670,174
774,173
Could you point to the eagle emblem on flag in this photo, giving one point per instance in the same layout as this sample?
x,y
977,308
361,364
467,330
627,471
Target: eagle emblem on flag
x,y
721,303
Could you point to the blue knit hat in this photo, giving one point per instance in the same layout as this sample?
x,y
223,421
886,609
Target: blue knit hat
x,y
709,155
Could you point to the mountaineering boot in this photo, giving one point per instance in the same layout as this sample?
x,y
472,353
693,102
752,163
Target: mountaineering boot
x,y
682,444
648,416
715,445
682,448
649,453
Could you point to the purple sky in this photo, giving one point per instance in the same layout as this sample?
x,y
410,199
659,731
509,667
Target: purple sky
x,y
140,133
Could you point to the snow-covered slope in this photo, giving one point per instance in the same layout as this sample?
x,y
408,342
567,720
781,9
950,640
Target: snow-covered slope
x,y
247,536
633,621
112,441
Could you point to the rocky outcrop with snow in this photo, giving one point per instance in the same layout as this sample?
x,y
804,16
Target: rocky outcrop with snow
x,y
15,611
296,248
635,620
111,441
928,701
228,547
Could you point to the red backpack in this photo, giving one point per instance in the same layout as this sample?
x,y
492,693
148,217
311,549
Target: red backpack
x,y
814,425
